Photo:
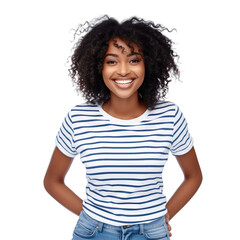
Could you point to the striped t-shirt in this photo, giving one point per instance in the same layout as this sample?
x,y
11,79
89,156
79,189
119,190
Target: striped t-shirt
x,y
124,159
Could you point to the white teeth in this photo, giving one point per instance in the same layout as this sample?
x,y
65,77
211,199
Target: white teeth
x,y
123,81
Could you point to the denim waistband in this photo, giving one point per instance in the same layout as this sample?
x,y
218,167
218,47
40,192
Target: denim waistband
x,y
137,227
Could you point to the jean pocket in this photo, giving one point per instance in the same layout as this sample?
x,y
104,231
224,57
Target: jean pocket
x,y
159,233
84,230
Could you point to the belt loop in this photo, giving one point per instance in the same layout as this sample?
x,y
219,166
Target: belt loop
x,y
100,226
141,229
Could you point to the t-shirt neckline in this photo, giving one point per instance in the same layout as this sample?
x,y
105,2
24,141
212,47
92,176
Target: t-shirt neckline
x,y
123,121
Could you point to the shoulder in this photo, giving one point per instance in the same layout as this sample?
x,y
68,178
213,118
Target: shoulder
x,y
163,111
163,106
84,110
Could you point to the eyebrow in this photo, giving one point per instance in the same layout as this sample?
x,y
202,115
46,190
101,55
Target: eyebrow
x,y
129,55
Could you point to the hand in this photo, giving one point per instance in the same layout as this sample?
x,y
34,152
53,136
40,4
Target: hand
x,y
168,225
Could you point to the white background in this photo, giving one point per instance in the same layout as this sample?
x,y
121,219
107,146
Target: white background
x,y
36,93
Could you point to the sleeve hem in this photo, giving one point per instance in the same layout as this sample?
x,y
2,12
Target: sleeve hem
x,y
183,152
64,151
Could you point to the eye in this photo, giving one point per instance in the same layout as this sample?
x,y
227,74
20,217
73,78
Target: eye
x,y
111,62
135,60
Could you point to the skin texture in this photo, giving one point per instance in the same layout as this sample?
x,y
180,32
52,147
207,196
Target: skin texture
x,y
124,103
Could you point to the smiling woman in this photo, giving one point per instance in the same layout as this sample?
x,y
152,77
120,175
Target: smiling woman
x,y
123,134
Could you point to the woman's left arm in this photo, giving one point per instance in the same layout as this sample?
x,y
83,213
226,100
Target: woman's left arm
x,y
192,180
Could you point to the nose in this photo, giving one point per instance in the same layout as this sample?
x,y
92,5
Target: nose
x,y
123,69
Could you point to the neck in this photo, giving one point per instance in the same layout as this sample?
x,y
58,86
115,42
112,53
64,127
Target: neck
x,y
124,108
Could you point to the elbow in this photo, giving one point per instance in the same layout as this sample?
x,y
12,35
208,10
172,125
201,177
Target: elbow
x,y
51,183
198,178
46,183
195,178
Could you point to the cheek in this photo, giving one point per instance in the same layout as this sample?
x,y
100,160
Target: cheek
x,y
106,72
106,76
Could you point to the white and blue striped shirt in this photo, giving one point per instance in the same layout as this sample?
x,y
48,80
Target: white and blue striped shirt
x,y
124,159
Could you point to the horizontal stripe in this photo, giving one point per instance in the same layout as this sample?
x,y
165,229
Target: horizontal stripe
x,y
125,130
127,209
81,115
127,166
125,202
125,198
161,143
99,173
125,159
110,124
126,148
128,192
129,179
125,136
124,185
123,153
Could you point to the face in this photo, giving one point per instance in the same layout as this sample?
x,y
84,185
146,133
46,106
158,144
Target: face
x,y
123,69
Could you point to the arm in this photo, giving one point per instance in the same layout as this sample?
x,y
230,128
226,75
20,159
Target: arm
x,y
192,180
54,182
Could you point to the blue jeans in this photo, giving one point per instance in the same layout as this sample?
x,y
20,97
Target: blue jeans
x,y
89,228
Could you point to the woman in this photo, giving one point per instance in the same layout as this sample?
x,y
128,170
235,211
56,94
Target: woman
x,y
123,134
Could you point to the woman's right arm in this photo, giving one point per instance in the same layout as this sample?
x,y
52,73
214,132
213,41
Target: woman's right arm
x,y
54,182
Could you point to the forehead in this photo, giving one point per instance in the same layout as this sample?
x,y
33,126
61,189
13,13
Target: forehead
x,y
117,44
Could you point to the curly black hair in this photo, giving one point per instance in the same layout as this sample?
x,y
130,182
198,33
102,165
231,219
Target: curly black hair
x,y
90,49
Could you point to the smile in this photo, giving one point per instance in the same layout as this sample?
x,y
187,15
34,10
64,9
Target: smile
x,y
123,83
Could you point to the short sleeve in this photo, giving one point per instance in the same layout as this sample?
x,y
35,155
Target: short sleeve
x,y
182,141
65,138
